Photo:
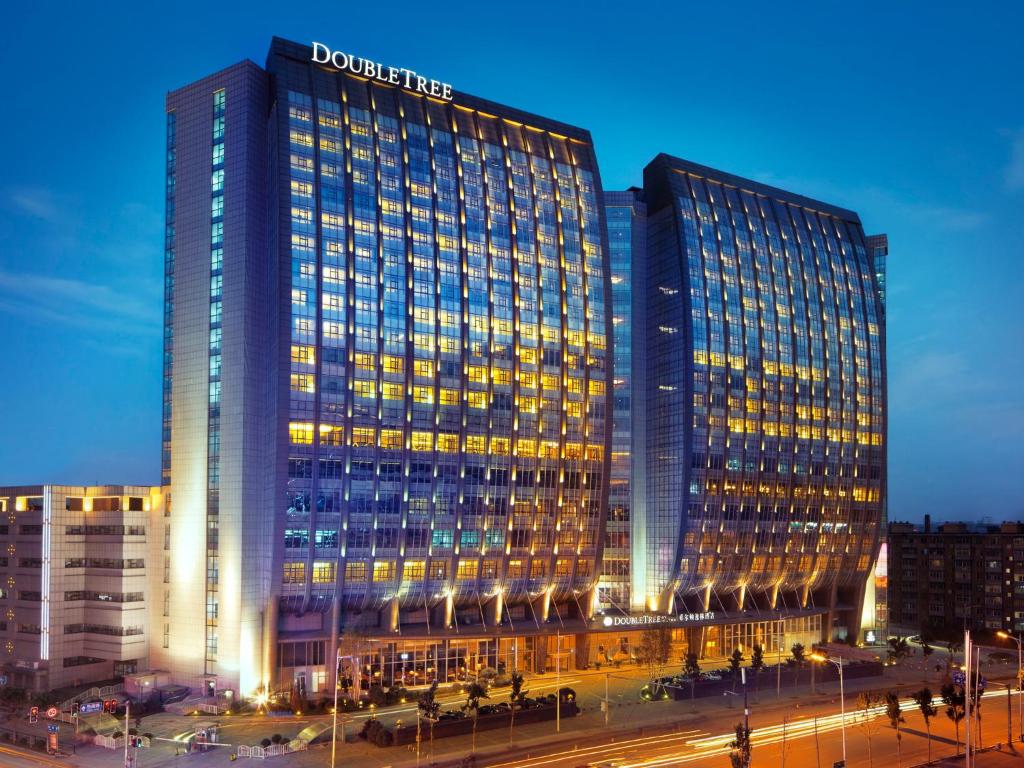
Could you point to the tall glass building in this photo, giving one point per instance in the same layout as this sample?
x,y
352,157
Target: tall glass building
x,y
765,403
388,375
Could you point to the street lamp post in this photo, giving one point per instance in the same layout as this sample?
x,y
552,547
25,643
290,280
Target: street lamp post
x,y
1020,680
842,702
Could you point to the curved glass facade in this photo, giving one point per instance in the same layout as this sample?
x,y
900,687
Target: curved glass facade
x,y
448,357
766,420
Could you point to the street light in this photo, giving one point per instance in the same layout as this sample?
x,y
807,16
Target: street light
x,y
842,704
1020,680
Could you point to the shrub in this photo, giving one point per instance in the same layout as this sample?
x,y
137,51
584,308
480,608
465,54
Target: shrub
x,y
377,696
276,738
265,743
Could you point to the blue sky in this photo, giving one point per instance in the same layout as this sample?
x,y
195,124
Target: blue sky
x,y
911,114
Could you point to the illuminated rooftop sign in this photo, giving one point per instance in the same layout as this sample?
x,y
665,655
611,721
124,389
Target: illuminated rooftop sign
x,y
372,70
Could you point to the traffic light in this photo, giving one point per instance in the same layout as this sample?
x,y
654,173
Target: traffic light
x,y
110,706
33,715
137,742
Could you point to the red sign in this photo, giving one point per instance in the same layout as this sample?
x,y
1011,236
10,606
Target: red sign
x,y
52,712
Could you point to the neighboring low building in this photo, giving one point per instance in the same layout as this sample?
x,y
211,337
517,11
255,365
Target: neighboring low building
x,y
954,575
73,583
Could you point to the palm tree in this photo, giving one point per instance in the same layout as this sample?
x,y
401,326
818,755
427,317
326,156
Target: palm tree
x,y
474,692
923,699
429,709
799,656
735,661
955,701
691,671
741,747
516,695
895,715
757,664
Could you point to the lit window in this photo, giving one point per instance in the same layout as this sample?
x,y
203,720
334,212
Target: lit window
x,y
423,394
477,399
363,388
448,442
294,573
474,443
393,391
323,572
362,436
355,571
391,438
449,396
413,570
467,570
302,382
384,570
423,441
301,432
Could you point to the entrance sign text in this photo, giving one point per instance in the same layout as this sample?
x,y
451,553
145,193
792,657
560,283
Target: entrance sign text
x,y
651,619
372,70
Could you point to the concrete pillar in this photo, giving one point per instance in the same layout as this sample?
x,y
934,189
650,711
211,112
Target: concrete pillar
x,y
494,610
581,659
540,654
270,644
334,631
393,615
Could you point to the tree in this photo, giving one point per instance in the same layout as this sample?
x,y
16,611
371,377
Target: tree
x,y
799,654
898,649
926,649
516,696
867,703
474,692
429,709
653,651
735,662
956,707
757,664
295,699
741,747
798,660
923,699
895,715
691,671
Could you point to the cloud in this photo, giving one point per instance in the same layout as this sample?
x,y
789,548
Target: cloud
x,y
34,202
1013,175
921,212
74,302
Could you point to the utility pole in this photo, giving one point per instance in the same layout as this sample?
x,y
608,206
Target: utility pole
x,y
558,682
607,703
967,698
817,747
746,715
127,707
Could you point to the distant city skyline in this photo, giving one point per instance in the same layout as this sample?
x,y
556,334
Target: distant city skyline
x,y
905,115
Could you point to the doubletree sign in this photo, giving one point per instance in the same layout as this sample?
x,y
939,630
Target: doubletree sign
x,y
644,620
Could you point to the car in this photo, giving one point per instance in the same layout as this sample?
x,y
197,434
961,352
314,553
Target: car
x,y
710,676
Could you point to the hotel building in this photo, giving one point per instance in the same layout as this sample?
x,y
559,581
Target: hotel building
x,y
388,360
765,407
434,402
73,583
